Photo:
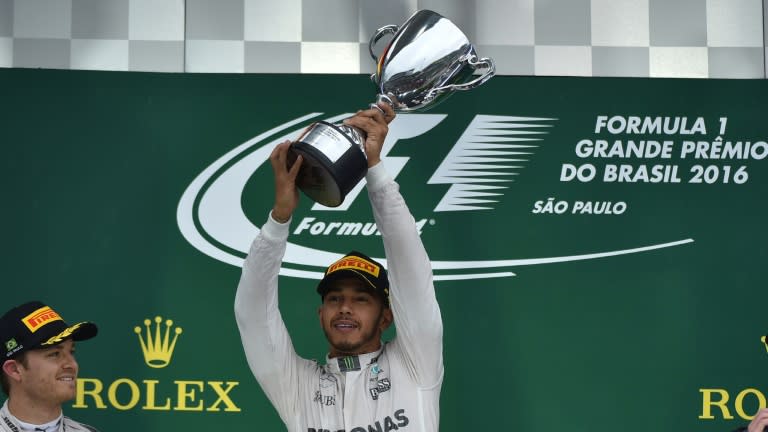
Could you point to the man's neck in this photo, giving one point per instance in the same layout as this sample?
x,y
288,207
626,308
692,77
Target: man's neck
x,y
33,411
334,353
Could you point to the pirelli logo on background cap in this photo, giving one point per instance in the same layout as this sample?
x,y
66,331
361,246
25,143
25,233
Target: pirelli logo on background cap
x,y
35,325
359,266
39,318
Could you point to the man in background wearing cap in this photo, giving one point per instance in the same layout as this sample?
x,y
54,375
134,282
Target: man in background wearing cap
x,y
39,368
364,385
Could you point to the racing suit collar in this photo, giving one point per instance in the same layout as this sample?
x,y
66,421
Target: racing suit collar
x,y
352,363
10,422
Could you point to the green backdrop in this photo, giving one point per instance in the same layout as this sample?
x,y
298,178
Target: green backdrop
x,y
115,210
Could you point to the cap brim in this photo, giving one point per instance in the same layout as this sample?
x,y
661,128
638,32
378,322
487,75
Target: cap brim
x,y
325,284
79,332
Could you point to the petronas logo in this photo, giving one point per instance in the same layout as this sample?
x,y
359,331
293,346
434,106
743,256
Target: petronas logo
x,y
157,346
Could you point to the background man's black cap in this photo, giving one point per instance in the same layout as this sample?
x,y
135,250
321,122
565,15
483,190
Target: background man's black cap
x,y
359,266
35,325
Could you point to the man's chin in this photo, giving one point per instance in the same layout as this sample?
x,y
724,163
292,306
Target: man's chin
x,y
66,396
346,348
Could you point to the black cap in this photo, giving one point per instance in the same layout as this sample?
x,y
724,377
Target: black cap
x,y
35,325
359,266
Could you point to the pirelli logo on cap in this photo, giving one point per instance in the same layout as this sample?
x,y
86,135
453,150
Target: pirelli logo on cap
x,y
354,263
39,318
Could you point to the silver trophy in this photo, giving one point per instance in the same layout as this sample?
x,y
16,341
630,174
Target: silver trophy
x,y
427,60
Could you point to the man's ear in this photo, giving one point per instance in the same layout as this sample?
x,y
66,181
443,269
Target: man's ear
x,y
386,319
11,368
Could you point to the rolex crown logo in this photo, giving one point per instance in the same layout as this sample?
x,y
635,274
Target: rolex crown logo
x,y
157,348
764,340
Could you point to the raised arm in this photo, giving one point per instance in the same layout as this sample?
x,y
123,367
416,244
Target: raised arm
x,y
268,347
412,293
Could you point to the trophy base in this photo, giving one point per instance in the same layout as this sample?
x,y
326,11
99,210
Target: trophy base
x,y
332,163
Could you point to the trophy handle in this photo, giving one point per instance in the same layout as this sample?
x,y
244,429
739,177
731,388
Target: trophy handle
x,y
390,29
476,63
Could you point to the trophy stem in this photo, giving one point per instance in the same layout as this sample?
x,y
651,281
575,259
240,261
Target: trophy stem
x,y
382,98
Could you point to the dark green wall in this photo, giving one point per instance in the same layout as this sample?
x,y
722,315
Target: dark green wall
x,y
94,165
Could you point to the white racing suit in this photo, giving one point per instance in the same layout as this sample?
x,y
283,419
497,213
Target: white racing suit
x,y
395,388
9,423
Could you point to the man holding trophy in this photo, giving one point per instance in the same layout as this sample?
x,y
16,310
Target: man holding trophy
x,y
364,384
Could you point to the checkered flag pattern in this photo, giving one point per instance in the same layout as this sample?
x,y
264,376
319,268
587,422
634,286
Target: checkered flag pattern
x,y
638,38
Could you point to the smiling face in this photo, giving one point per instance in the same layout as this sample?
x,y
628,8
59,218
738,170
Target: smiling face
x,y
48,375
353,318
